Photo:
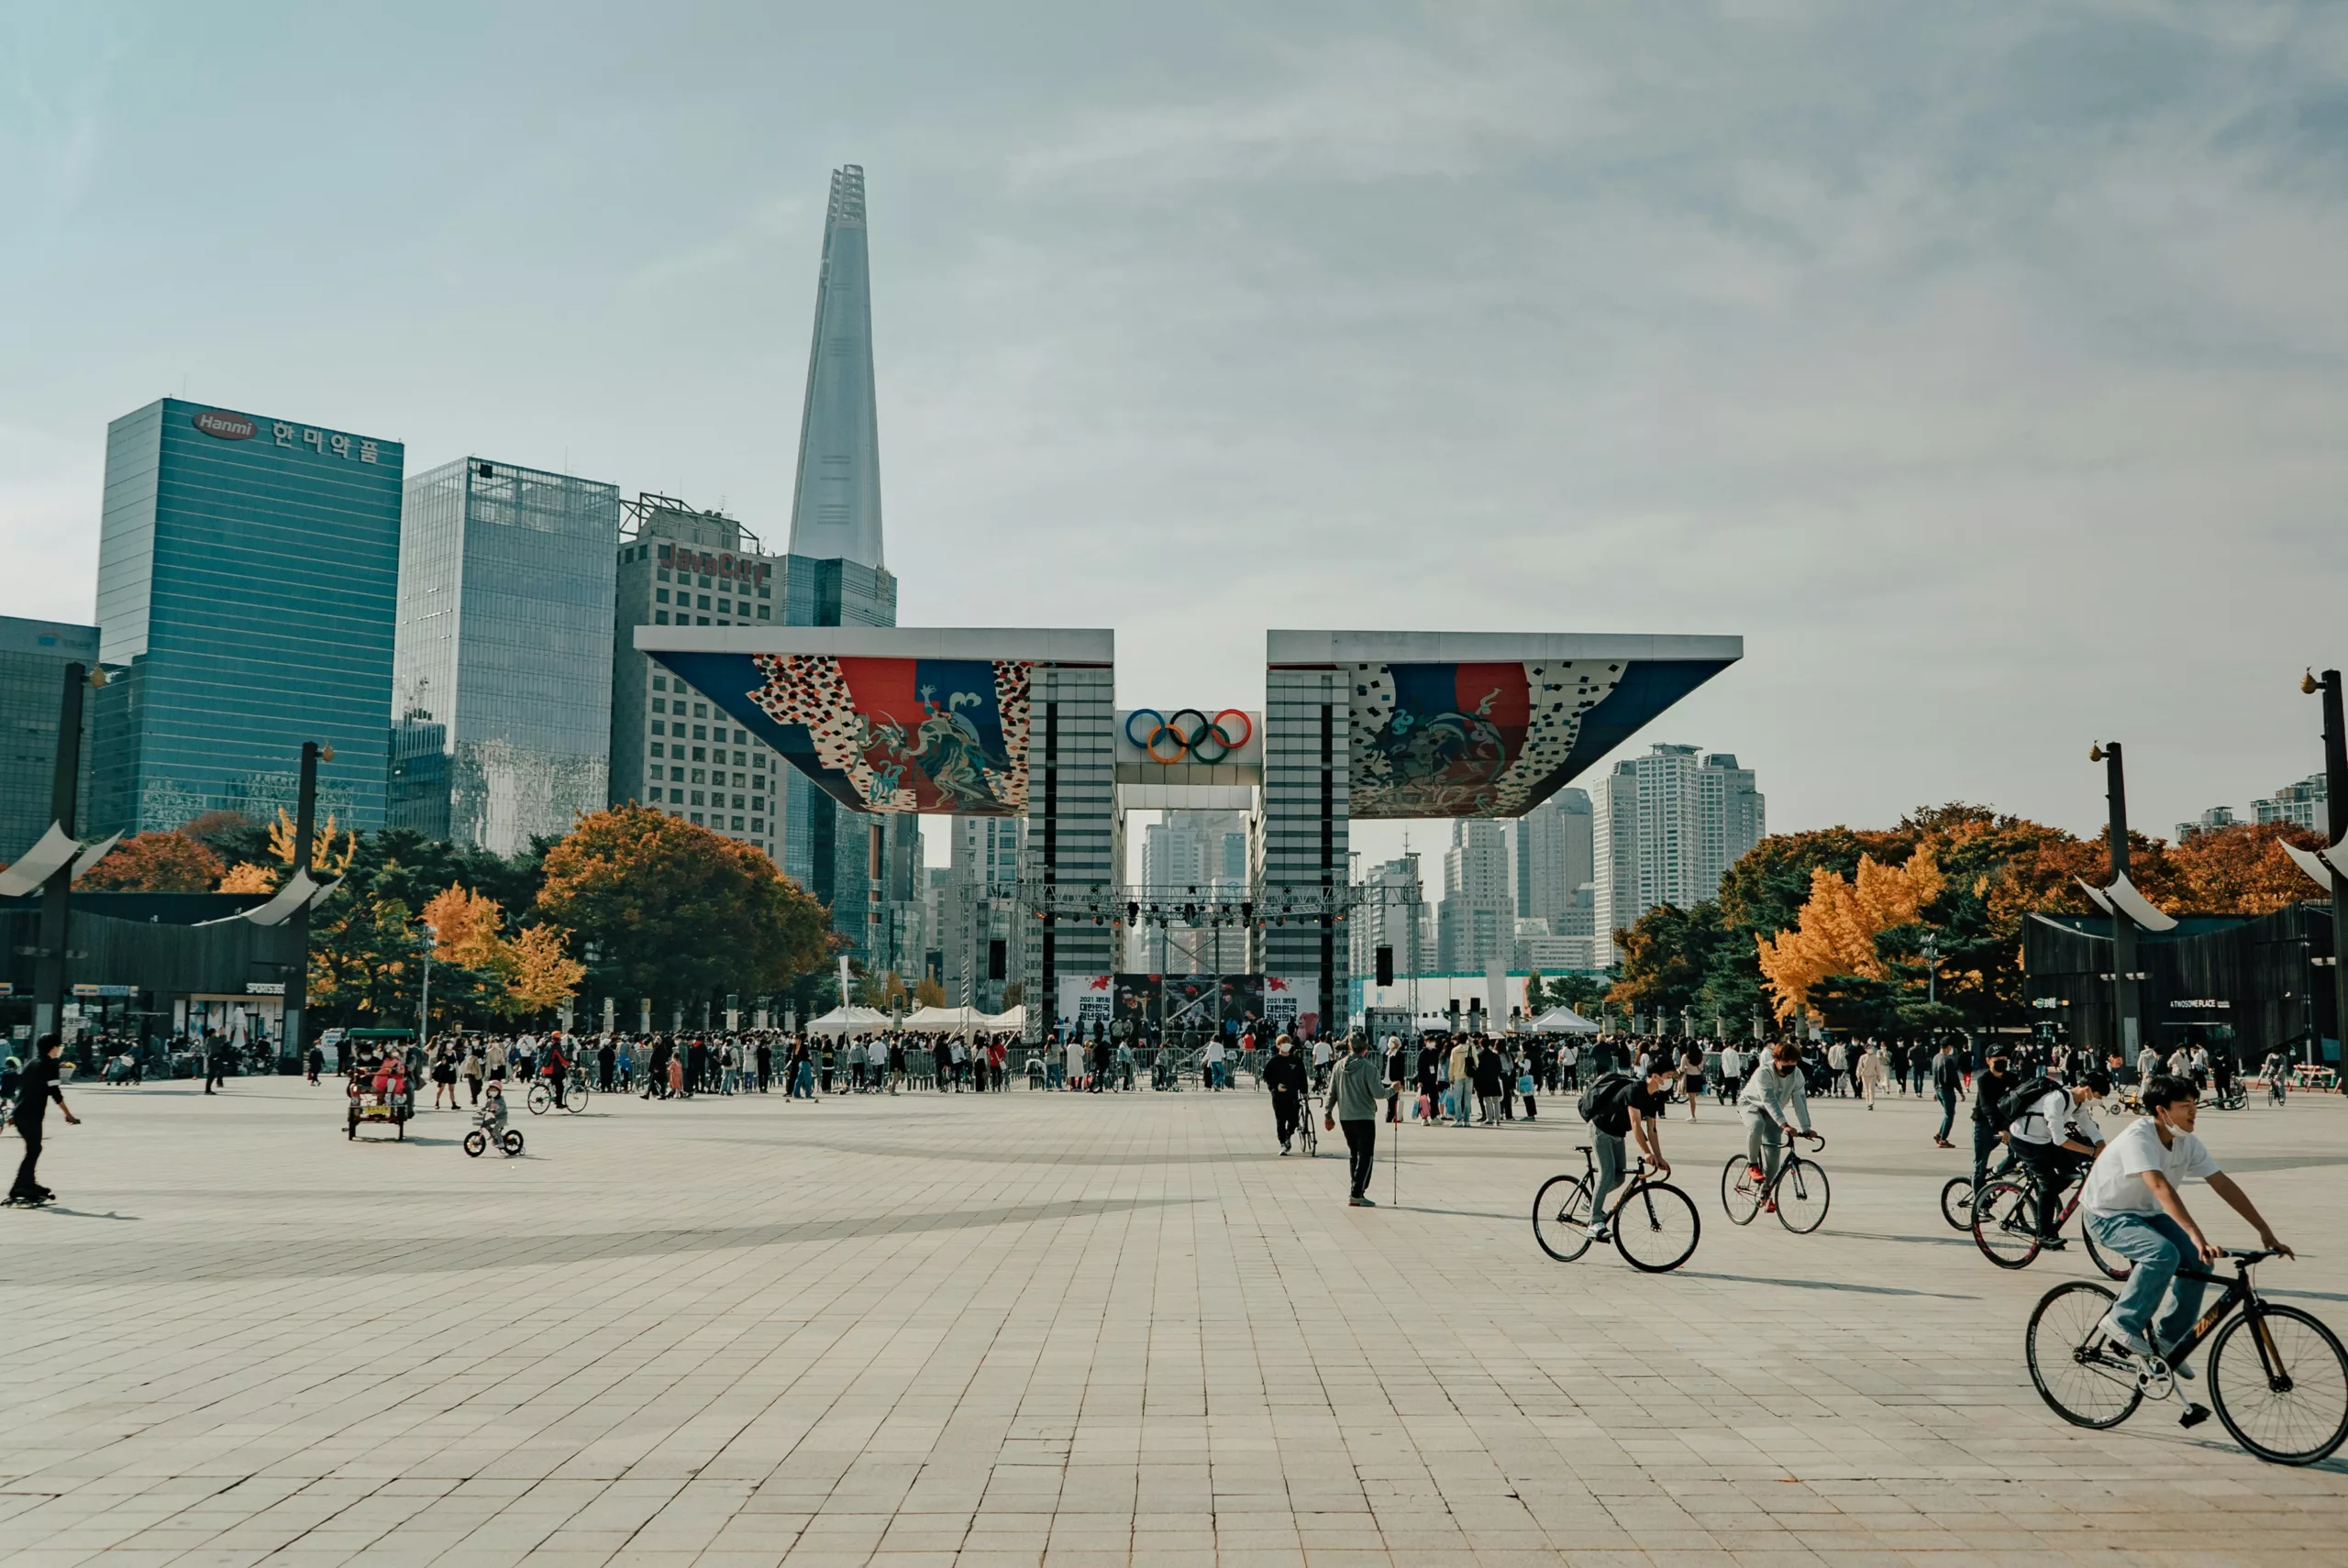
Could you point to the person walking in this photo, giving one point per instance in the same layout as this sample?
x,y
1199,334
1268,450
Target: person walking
x,y
1869,1072
1284,1076
1691,1074
1732,1073
1948,1082
1353,1105
215,1062
35,1087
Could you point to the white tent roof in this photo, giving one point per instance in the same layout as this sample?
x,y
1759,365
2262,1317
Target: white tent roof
x,y
1564,1020
848,1021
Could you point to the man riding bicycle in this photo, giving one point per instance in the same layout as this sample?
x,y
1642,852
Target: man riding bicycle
x,y
1774,1105
1634,1111
2054,1137
2133,1209
555,1069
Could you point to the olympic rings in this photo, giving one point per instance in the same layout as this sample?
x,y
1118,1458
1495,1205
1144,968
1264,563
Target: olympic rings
x,y
1187,740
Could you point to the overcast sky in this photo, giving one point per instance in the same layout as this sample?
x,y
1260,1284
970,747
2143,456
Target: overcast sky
x,y
1981,366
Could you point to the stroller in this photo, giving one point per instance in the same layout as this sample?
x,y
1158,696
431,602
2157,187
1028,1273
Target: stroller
x,y
489,1127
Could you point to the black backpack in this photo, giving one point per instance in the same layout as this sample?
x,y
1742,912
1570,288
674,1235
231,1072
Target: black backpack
x,y
2011,1109
1607,1093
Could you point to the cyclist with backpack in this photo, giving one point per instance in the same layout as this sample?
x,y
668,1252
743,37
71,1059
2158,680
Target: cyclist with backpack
x,y
2049,1129
1619,1106
1774,1105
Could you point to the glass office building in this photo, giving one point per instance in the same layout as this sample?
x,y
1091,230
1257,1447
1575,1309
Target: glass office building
x,y
33,656
248,587
501,678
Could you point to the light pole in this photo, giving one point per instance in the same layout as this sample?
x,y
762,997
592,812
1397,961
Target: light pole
x,y
57,893
297,980
423,1004
2335,784
2125,1025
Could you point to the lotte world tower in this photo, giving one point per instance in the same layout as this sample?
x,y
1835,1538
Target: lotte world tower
x,y
864,869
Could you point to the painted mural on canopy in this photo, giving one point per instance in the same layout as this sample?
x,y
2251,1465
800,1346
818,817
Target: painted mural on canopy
x,y
884,735
1468,740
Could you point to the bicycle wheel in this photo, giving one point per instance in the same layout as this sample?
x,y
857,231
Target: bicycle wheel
x,y
538,1098
1561,1217
2294,1397
2114,1264
1957,1202
575,1099
1656,1227
476,1142
1802,1195
1740,1194
2005,1224
2082,1377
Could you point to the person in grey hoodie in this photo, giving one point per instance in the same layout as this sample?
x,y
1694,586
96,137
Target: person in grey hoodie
x,y
1354,1092
1773,1103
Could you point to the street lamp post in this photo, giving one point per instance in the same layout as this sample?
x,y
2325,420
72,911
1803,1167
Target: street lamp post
x,y
2123,930
2335,784
297,980
57,893
423,1006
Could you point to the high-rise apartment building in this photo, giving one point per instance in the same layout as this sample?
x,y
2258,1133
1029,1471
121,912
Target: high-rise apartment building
x,y
670,748
1554,864
1392,913
2302,803
248,588
2214,818
501,670
33,656
1475,923
1666,828
978,906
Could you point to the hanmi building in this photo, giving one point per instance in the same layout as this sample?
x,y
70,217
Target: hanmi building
x,y
1003,722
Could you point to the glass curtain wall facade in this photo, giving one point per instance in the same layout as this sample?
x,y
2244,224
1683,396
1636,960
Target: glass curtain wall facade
x,y
33,656
501,731
248,587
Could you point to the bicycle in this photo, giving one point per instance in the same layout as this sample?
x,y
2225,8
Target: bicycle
x,y
1307,1132
1957,1193
574,1096
1800,1189
2005,1224
2275,1089
1647,1222
2293,1371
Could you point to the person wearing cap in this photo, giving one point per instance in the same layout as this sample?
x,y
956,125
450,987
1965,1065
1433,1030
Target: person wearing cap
x,y
1990,1087
2053,1137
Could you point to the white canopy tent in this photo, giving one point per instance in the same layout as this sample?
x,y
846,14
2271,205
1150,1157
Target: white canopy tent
x,y
1564,1020
849,1020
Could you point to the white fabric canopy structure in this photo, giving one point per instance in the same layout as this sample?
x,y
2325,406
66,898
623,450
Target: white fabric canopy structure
x,y
1564,1020
848,1021
946,1021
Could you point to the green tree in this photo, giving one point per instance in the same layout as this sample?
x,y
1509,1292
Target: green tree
x,y
672,910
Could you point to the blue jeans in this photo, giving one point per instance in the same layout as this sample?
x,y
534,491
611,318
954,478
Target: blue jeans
x,y
2158,1246
1948,1113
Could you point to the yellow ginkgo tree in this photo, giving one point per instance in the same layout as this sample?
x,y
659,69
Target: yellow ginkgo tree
x,y
1839,923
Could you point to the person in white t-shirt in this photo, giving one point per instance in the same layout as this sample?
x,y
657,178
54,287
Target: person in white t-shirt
x,y
2133,1209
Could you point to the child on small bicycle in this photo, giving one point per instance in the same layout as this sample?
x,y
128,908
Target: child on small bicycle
x,y
490,1117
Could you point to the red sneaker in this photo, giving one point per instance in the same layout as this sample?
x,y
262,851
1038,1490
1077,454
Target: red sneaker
x,y
1770,1206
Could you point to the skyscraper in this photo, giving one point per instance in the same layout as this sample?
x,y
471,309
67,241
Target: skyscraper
x,y
33,656
683,567
247,584
1552,844
502,725
1475,923
836,509
835,577
1666,828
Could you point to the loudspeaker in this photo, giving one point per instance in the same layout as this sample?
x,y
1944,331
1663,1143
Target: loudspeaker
x,y
1386,966
995,959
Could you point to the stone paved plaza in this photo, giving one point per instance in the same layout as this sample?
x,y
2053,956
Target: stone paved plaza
x,y
1055,1329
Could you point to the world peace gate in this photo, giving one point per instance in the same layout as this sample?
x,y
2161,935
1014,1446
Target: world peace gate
x,y
1012,722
